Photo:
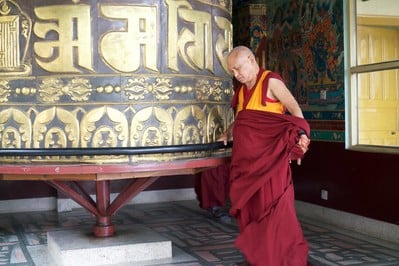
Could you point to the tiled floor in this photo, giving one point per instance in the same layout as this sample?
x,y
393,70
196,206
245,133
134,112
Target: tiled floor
x,y
197,238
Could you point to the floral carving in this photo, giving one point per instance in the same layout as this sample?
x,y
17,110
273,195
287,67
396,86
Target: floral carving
x,y
161,89
4,91
50,90
203,89
136,88
78,89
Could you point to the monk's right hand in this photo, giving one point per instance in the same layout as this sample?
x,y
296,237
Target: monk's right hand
x,y
224,137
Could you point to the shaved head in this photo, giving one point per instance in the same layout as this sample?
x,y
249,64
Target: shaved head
x,y
241,51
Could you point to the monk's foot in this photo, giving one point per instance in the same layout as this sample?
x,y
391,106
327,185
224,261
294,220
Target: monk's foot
x,y
219,213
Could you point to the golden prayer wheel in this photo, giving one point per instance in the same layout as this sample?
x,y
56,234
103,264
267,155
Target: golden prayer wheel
x,y
86,87
113,74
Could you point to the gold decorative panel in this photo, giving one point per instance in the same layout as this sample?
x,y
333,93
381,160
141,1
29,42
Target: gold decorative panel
x,y
99,74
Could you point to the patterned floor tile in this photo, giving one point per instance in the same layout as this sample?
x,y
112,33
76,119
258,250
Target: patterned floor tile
x,y
197,238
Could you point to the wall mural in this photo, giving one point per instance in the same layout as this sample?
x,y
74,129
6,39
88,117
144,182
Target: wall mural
x,y
304,43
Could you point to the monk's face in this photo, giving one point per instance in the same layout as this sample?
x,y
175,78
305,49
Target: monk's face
x,y
241,65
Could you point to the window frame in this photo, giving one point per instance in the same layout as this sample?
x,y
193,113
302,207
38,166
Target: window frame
x,y
352,70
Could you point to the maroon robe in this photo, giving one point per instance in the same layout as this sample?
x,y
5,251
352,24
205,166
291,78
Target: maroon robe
x,y
261,189
212,186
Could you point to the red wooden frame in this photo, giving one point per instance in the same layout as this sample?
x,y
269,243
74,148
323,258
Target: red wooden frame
x,y
65,178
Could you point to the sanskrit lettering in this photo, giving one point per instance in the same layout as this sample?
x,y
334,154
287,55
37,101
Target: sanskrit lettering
x,y
66,35
122,50
130,38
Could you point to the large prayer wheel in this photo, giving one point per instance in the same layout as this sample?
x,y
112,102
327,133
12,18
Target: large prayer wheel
x,y
109,74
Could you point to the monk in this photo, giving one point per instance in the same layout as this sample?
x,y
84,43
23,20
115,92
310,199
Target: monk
x,y
266,140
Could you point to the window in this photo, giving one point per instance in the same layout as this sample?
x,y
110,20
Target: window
x,y
372,75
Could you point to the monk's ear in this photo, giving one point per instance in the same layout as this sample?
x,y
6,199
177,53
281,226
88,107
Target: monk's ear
x,y
251,59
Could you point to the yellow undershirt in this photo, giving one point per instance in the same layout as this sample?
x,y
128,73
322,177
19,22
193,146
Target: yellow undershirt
x,y
255,100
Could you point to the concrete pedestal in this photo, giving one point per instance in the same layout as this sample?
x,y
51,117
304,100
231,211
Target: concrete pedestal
x,y
131,244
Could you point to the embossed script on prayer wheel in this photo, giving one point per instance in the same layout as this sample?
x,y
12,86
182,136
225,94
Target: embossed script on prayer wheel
x,y
100,74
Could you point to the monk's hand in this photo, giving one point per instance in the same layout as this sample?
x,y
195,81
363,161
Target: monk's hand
x,y
303,143
224,137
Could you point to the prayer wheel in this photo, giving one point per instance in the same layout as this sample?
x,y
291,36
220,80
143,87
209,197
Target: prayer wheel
x,y
112,74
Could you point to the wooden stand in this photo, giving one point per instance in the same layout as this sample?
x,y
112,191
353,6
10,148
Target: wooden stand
x,y
65,178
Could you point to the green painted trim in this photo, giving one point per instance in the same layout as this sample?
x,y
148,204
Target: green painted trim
x,y
334,136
